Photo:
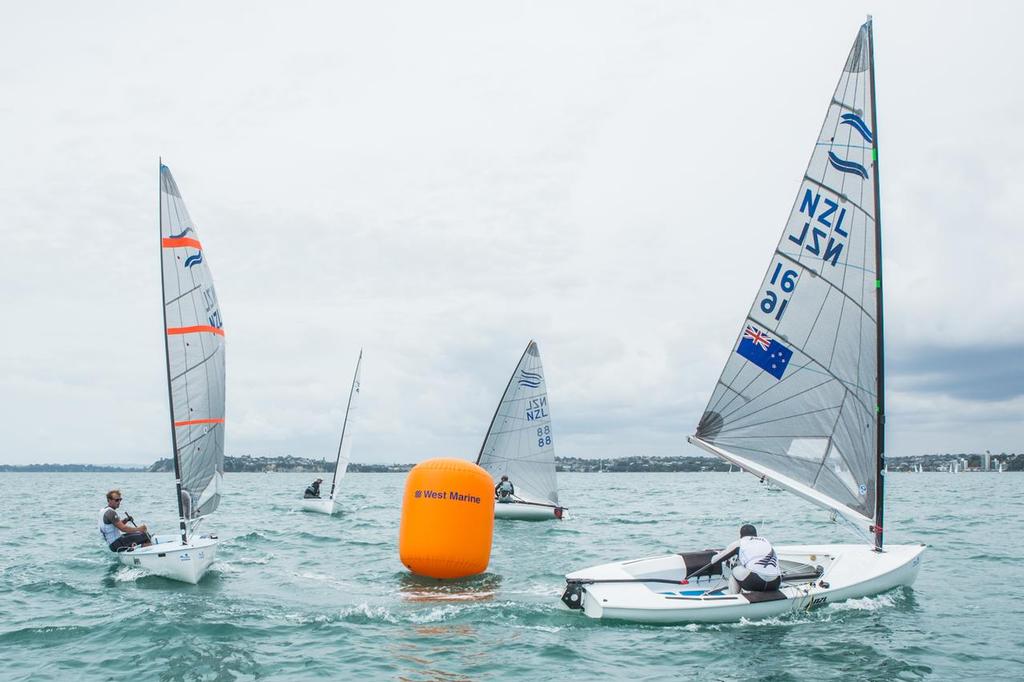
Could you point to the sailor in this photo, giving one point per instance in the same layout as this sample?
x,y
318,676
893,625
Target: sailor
x,y
757,566
504,490
314,489
118,535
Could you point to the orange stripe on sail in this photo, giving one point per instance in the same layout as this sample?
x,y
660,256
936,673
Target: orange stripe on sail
x,y
172,243
199,421
194,330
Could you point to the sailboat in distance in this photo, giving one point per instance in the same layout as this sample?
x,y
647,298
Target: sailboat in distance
x,y
519,445
328,505
194,351
800,402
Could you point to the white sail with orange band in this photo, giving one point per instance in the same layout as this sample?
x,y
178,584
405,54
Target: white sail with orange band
x,y
195,355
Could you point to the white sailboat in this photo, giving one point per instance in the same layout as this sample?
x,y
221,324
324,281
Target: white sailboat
x,y
329,504
801,399
194,350
520,444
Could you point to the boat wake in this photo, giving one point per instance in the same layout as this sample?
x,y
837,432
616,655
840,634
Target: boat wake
x,y
875,603
128,574
226,568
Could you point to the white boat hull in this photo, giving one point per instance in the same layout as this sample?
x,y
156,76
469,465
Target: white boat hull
x,y
847,572
520,511
174,560
319,505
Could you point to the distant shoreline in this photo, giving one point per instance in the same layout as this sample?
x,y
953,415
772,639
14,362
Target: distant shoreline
x,y
679,464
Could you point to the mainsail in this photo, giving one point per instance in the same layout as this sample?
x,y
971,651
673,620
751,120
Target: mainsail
x,y
800,398
519,442
345,444
194,338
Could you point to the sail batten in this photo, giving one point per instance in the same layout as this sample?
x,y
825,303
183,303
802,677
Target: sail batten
x,y
520,442
796,400
194,345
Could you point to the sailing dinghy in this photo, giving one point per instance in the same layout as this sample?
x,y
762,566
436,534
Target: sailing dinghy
x,y
520,445
800,402
194,349
328,505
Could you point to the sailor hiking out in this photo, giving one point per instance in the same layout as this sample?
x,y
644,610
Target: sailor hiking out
x,y
757,566
504,491
117,534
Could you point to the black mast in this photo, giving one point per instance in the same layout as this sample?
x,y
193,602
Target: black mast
x,y
344,425
880,387
167,357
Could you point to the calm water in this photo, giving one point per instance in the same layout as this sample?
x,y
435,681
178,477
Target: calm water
x,y
296,595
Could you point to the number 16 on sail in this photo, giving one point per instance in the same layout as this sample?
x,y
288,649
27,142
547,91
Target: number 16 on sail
x,y
786,281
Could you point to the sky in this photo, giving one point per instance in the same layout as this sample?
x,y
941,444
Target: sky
x,y
438,183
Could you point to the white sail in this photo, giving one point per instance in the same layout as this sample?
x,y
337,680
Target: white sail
x,y
194,334
520,442
799,398
345,444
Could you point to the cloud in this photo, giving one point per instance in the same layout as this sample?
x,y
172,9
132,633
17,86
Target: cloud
x,y
973,373
439,184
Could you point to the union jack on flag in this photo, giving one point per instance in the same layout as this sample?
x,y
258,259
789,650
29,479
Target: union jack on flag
x,y
763,351
757,336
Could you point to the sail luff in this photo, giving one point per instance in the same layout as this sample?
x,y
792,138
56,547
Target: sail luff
x,y
344,426
167,355
878,525
497,409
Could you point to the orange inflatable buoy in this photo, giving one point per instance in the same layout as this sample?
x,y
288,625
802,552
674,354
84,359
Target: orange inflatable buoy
x,y
447,519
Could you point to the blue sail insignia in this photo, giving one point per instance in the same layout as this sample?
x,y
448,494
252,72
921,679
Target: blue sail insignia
x,y
857,123
194,260
763,351
529,379
847,166
181,234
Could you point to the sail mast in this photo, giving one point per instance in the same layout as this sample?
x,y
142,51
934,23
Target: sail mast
x,y
167,358
344,426
498,408
880,388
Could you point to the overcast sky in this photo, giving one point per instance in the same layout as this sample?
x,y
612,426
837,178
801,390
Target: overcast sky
x,y
440,182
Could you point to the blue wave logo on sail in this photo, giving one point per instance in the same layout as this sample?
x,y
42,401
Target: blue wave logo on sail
x,y
857,123
529,379
847,166
181,234
194,260
764,351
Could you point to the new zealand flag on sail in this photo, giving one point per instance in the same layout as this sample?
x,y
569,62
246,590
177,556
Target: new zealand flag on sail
x,y
764,351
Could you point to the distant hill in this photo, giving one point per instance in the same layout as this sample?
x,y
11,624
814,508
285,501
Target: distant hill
x,y
641,464
250,464
635,464
967,462
291,464
65,468
287,464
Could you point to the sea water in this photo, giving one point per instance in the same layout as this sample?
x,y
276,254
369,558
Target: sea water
x,y
294,595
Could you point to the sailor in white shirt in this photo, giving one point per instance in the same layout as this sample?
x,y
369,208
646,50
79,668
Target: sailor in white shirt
x,y
757,566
